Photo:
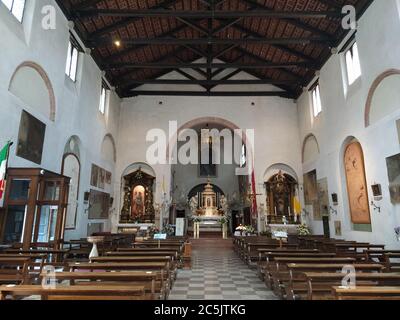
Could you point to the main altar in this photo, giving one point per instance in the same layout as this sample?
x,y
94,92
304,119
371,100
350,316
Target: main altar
x,y
208,211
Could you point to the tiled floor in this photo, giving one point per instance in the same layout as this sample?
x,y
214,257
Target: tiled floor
x,y
218,274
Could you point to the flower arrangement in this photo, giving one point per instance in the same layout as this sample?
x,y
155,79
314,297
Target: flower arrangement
x,y
249,229
240,228
397,231
195,219
303,230
224,220
168,229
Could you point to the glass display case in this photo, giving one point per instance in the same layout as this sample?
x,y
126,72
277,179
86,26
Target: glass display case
x,y
34,208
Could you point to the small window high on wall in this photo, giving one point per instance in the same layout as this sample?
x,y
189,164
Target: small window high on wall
x,y
352,64
316,99
103,98
16,7
72,58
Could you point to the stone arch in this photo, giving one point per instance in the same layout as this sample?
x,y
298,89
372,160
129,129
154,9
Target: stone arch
x,y
377,82
43,75
107,144
276,167
146,168
211,121
310,142
73,146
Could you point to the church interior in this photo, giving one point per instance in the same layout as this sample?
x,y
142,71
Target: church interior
x,y
200,150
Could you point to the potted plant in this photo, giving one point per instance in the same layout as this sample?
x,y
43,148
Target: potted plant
x,y
303,230
249,230
241,229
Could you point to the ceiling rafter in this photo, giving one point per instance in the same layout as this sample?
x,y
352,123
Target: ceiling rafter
x,y
282,46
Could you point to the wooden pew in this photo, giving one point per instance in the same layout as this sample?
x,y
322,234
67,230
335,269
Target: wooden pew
x,y
263,266
167,259
377,255
14,270
392,266
319,285
251,252
99,292
296,288
54,255
162,267
151,280
355,249
367,293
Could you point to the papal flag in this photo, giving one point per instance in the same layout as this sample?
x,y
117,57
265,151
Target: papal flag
x,y
3,169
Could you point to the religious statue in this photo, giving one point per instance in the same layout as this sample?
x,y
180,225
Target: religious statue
x,y
193,204
223,203
138,204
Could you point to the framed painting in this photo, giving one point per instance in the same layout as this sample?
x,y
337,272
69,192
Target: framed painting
x,y
94,175
393,169
30,138
357,190
99,205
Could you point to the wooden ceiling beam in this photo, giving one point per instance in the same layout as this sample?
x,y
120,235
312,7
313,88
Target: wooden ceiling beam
x,y
212,40
282,94
206,14
124,22
156,65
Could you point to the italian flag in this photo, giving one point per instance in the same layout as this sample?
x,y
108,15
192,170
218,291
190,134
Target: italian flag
x,y
3,168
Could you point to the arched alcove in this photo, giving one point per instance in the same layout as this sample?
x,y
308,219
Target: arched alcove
x,y
71,167
310,150
108,149
39,94
279,167
355,183
135,166
383,97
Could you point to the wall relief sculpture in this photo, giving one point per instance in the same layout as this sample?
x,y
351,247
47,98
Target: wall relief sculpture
x,y
356,184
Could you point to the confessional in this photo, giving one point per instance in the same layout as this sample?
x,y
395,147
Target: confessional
x,y
35,207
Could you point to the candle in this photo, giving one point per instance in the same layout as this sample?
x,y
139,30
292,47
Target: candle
x,y
275,211
288,210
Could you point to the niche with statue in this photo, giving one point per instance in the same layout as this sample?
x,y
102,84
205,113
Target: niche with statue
x,y
281,190
138,198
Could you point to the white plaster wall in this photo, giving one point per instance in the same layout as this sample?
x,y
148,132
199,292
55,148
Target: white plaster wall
x,y
76,103
273,119
343,116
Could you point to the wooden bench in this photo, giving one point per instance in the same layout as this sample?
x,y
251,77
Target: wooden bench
x,y
99,292
319,284
166,259
151,280
270,256
14,270
367,293
392,266
377,255
296,287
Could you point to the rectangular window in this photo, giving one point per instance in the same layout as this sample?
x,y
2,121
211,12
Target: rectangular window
x,y
316,100
352,64
72,60
103,98
16,7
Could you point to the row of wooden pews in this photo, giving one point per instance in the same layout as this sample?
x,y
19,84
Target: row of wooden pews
x,y
135,271
313,268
